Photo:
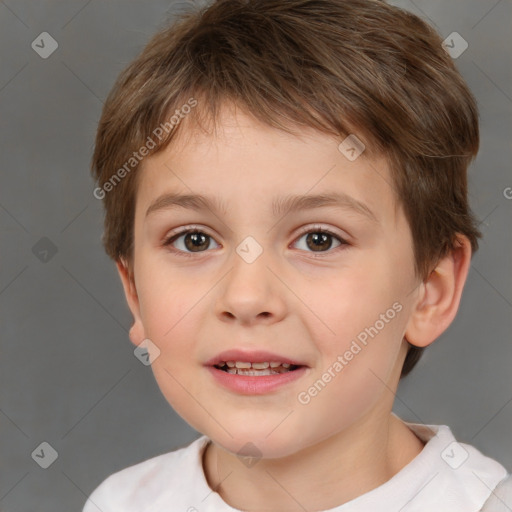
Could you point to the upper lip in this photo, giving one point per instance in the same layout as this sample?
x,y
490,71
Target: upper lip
x,y
251,356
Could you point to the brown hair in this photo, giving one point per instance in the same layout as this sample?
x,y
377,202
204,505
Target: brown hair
x,y
338,66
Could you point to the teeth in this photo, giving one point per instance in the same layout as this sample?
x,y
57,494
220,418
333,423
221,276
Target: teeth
x,y
256,366
260,366
254,369
252,373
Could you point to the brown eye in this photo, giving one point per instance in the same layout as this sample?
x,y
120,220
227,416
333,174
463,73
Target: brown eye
x,y
193,241
196,241
320,240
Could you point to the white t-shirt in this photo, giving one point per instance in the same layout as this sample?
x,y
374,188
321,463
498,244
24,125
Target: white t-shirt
x,y
446,476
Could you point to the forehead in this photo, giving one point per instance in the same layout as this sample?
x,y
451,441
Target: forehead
x,y
239,159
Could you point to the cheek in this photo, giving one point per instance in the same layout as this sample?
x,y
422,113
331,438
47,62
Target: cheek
x,y
170,321
364,323
165,298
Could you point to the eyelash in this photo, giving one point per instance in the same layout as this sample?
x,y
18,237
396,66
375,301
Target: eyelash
x,y
310,229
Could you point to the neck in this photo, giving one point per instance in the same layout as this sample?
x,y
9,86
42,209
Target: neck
x,y
365,457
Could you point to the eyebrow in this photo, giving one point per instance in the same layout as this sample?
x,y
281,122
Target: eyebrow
x,y
280,205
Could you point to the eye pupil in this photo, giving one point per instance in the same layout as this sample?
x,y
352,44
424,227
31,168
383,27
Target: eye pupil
x,y
197,239
319,237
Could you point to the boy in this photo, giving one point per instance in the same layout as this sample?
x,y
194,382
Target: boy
x,y
286,203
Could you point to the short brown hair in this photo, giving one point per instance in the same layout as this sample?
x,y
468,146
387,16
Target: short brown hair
x,y
338,66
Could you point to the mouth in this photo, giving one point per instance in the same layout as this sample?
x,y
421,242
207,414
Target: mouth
x,y
260,369
256,378
255,372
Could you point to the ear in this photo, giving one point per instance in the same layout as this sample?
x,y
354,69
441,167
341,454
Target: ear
x,y
440,296
130,292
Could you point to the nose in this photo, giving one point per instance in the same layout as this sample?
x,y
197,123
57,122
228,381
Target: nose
x,y
251,292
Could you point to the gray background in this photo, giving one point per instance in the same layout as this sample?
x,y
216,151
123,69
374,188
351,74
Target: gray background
x,y
68,373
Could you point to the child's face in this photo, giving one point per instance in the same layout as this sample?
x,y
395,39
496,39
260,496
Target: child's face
x,y
304,297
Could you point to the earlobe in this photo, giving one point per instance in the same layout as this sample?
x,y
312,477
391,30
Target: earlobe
x,y
136,332
440,296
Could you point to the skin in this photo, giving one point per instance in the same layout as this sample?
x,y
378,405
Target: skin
x,y
293,300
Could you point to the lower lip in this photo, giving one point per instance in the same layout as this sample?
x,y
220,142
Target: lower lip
x,y
250,385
